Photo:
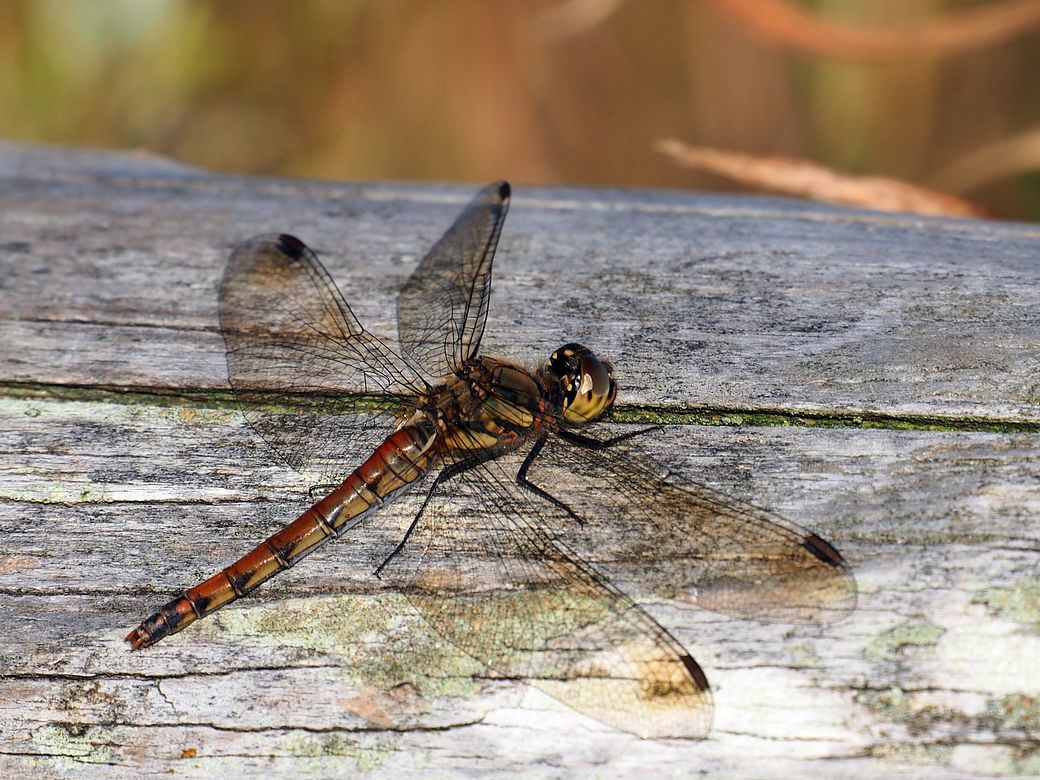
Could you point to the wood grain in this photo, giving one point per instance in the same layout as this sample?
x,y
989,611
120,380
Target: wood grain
x,y
883,369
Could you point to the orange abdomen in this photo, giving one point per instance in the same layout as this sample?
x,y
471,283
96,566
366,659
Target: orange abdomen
x,y
405,456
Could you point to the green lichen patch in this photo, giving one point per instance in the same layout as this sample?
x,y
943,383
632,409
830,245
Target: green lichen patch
x,y
1025,762
384,643
69,745
913,754
804,655
202,399
1016,712
1001,718
187,415
69,491
381,641
366,753
906,708
893,704
1019,602
643,414
889,644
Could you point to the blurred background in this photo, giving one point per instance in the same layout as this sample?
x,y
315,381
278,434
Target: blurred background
x,y
941,93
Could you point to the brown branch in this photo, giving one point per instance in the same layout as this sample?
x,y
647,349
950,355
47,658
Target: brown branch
x,y
782,23
1001,159
807,179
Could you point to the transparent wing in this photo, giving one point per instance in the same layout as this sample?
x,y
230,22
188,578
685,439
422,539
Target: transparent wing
x,y
318,387
486,576
651,532
443,306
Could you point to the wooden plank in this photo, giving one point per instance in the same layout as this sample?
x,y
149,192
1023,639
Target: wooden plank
x,y
111,502
938,655
751,304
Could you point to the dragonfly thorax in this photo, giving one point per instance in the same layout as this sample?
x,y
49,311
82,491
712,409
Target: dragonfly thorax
x,y
586,383
488,403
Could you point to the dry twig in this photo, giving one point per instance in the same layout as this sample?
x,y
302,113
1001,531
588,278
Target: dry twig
x,y
807,179
972,28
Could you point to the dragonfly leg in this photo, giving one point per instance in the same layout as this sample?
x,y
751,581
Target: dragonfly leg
x,y
524,482
592,443
448,473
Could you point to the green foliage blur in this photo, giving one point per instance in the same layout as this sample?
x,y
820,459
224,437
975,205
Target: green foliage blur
x,y
470,90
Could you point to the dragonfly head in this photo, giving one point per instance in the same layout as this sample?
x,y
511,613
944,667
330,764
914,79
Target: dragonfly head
x,y
586,383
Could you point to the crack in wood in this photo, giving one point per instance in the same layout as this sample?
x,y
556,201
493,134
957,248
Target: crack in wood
x,y
639,414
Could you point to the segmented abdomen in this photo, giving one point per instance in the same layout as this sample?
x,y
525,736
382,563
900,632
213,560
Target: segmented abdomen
x,y
405,456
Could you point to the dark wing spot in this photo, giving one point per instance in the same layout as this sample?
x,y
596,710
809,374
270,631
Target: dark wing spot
x,y
822,550
504,190
292,246
695,672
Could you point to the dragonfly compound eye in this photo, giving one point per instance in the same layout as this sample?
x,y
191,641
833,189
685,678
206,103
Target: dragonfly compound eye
x,y
586,383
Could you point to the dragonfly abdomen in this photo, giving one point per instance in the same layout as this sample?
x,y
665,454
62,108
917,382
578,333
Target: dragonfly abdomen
x,y
405,456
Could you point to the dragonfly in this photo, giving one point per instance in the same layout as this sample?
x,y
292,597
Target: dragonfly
x,y
535,530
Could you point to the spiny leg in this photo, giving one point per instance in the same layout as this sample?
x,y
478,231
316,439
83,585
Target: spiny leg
x,y
450,472
592,443
524,482
580,440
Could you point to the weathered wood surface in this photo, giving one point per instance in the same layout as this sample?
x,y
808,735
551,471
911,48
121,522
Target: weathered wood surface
x,y
126,476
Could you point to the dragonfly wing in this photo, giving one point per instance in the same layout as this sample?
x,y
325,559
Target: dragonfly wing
x,y
315,385
654,533
484,574
442,308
